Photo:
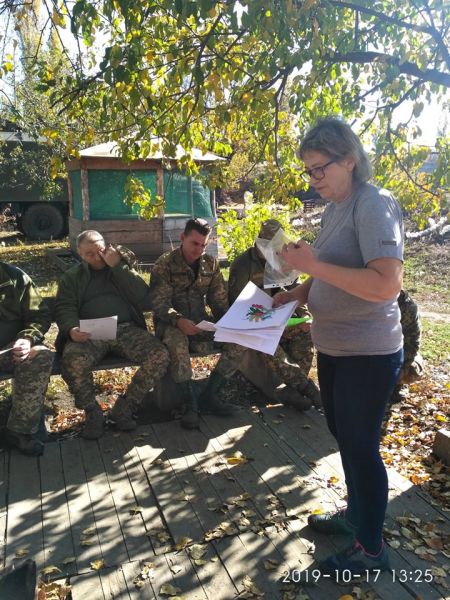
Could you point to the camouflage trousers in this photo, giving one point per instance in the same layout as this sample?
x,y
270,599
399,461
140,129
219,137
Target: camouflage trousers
x,y
132,342
290,364
180,346
30,382
411,371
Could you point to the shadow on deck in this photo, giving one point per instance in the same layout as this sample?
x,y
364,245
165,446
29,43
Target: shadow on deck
x,y
210,512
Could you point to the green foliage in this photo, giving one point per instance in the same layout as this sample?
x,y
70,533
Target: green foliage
x,y
236,235
398,167
238,78
434,344
138,197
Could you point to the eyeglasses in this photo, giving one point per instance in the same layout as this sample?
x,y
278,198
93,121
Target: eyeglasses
x,y
317,172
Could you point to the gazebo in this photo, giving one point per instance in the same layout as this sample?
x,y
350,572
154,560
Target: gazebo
x,y
96,184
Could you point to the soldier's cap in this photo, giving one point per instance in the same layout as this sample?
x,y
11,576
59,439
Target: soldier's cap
x,y
269,229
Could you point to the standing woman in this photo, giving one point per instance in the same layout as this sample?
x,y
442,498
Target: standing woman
x,y
355,275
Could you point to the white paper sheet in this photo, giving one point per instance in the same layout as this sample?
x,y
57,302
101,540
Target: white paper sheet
x,y
239,314
206,326
252,322
100,329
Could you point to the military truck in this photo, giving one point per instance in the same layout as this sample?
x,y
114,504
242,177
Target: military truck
x,y
39,203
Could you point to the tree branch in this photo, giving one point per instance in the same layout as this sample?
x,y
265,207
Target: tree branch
x,y
429,30
408,68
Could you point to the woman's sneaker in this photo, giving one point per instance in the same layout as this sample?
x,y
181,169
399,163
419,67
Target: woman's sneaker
x,y
354,562
331,523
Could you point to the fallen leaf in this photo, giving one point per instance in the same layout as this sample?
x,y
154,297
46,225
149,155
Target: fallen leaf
x,y
270,564
198,551
168,590
237,459
50,569
175,569
135,510
250,586
68,560
182,543
96,565
22,551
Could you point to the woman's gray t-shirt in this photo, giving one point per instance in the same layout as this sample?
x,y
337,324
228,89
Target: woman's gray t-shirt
x,y
366,226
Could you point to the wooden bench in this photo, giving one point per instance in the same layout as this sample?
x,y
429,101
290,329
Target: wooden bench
x,y
165,394
109,362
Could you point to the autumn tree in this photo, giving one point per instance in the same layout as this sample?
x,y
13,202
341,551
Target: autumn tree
x,y
205,74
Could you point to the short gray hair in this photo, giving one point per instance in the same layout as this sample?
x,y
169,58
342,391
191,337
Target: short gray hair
x,y
89,235
335,138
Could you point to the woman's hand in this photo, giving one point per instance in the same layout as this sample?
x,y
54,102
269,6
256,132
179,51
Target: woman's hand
x,y
300,256
282,298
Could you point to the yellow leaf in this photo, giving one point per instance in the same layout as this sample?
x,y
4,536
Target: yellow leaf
x,y
318,511
250,586
345,597
168,590
50,569
96,565
441,418
22,551
237,459
182,543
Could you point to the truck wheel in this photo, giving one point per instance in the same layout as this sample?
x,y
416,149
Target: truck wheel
x,y
43,222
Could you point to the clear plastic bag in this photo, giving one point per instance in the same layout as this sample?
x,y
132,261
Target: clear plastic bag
x,y
277,273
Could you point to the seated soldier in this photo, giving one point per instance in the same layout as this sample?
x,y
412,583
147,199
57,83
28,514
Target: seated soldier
x,y
183,282
412,368
104,284
293,357
24,320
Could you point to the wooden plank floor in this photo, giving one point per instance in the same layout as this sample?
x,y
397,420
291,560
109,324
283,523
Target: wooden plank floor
x,y
210,512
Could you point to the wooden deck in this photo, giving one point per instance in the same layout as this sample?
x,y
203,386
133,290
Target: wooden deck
x,y
130,499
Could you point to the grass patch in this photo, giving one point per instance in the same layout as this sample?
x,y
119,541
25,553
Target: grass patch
x,y
426,275
434,344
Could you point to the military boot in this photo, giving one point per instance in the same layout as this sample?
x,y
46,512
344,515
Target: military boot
x,y
210,403
26,443
93,427
190,418
42,433
312,392
290,396
122,414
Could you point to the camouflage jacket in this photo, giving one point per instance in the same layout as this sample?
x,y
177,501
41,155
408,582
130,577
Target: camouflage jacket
x,y
411,327
176,291
246,267
72,285
20,301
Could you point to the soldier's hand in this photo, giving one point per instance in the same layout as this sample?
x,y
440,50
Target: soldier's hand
x,y
110,255
187,327
21,350
78,336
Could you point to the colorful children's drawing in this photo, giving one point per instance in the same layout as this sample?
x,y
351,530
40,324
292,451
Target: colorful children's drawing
x,y
258,312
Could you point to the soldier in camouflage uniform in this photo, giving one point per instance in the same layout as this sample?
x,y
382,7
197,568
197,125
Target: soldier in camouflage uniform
x,y
104,285
293,357
183,283
412,368
24,320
